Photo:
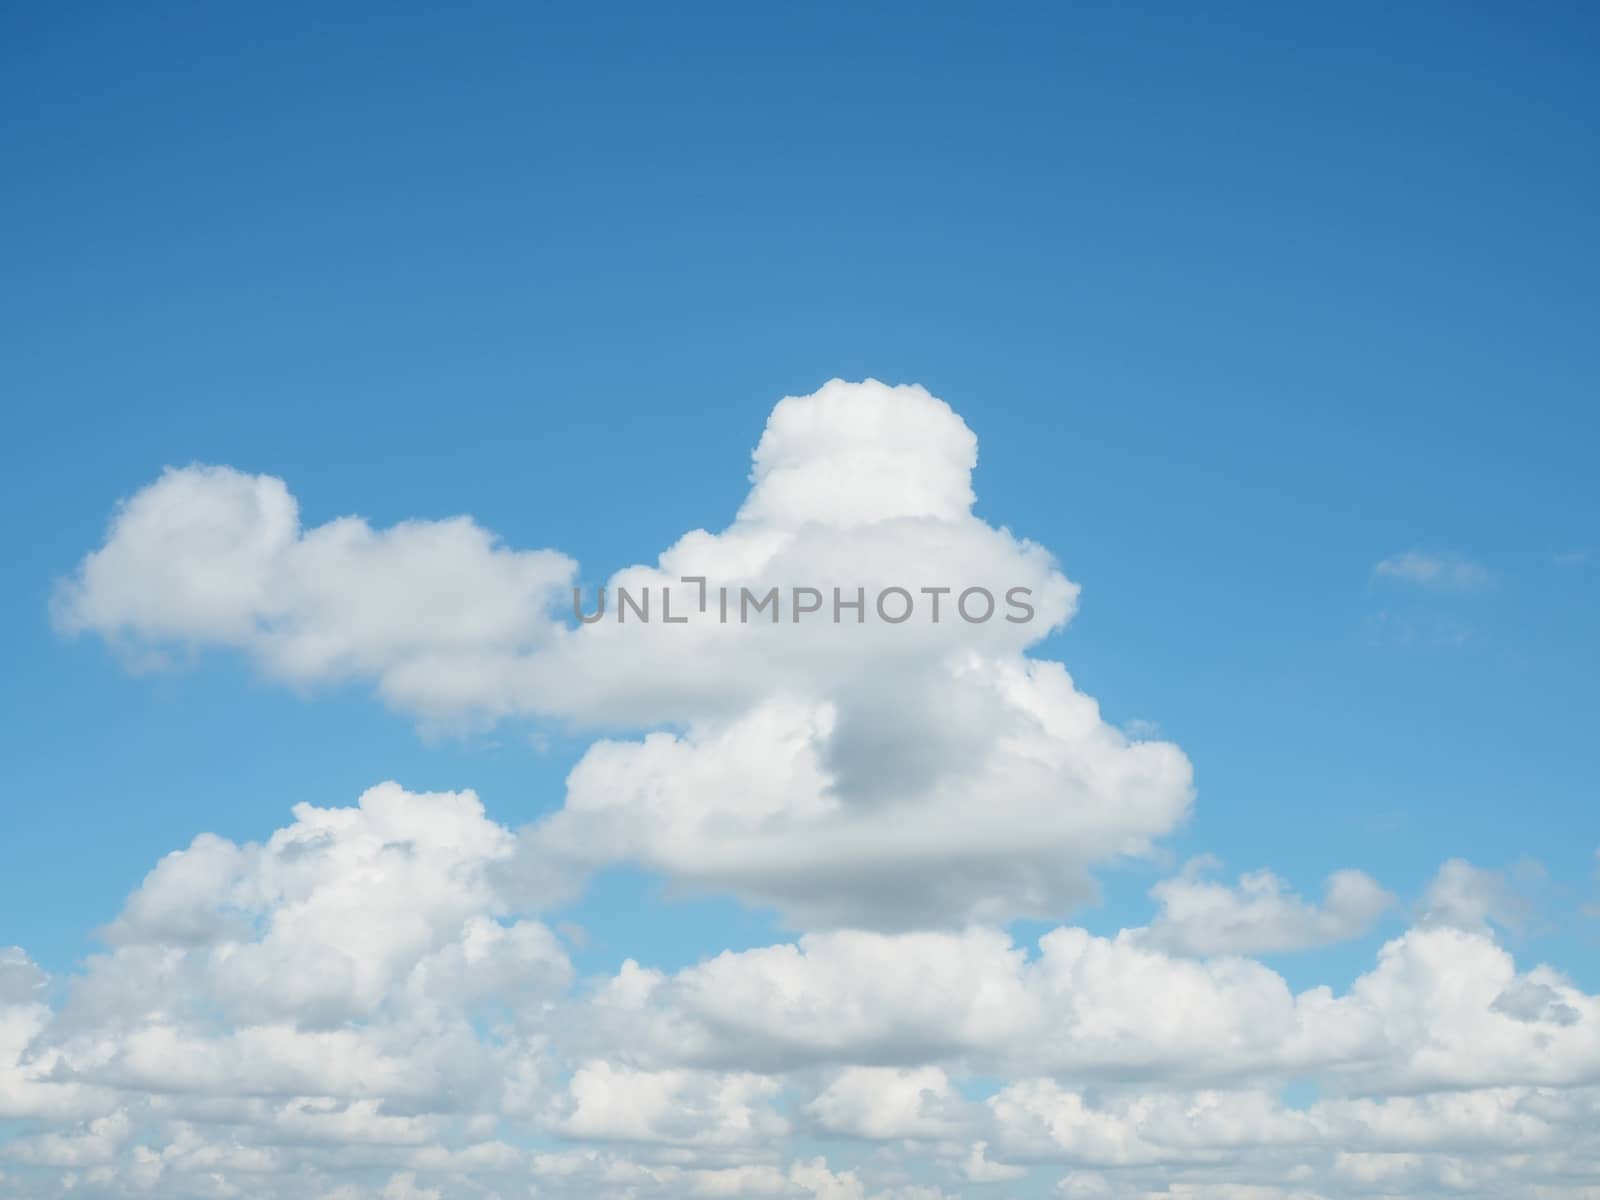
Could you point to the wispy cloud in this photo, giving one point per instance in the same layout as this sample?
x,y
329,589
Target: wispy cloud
x,y
1418,631
1141,730
1442,571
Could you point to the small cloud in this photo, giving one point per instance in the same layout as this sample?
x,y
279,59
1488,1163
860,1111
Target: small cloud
x,y
1570,558
1140,730
1438,570
1464,896
1259,914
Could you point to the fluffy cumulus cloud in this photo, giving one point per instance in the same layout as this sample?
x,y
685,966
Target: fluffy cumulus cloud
x,y
209,556
1259,915
370,1003
874,771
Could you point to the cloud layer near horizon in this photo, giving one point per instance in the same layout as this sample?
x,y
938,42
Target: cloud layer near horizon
x,y
358,998
369,1002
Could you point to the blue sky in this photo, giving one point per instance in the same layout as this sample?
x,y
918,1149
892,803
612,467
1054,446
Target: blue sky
x,y
1238,307
1239,300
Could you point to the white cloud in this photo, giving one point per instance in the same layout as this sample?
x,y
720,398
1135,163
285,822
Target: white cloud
x,y
21,981
207,1049
933,774
1441,571
854,454
1442,1008
346,958
611,1103
889,1102
1260,915
1005,818
98,1142
857,485
1467,897
208,556
977,1167
366,1005
1478,1143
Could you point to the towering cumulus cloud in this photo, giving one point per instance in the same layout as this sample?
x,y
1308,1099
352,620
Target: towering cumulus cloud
x,y
812,711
